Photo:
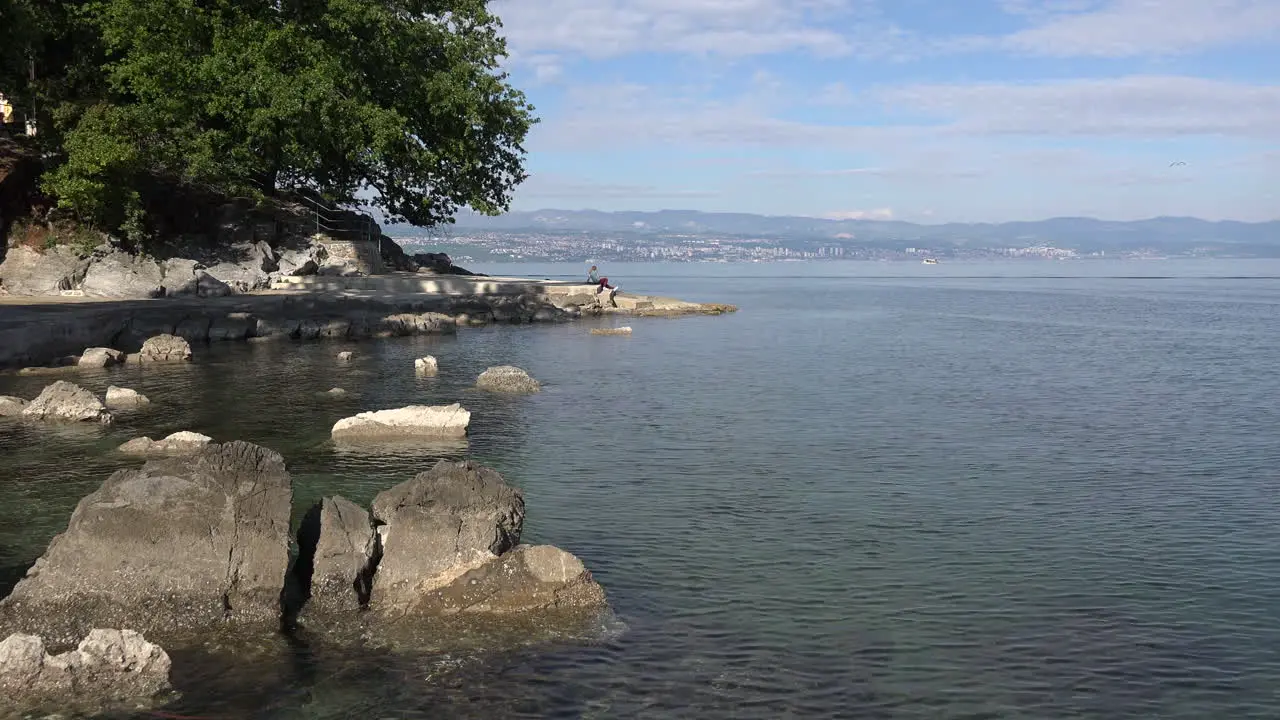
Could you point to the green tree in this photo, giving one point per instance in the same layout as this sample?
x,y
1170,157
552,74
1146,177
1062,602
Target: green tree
x,y
403,97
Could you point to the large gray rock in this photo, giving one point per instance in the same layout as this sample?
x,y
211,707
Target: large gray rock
x,y
440,525
180,276
507,379
346,548
122,275
250,269
529,578
414,421
67,401
11,406
109,669
175,548
100,357
28,272
165,348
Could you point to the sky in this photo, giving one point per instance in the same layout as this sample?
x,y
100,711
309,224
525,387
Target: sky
x,y
919,110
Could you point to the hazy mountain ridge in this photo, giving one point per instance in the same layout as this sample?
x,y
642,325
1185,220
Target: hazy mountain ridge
x,y
1072,232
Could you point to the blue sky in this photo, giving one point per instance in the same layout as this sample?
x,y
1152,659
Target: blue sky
x,y
919,110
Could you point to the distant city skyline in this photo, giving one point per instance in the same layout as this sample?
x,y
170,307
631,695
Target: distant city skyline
x,y
920,110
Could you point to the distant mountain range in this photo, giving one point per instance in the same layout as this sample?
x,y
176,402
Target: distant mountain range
x,y
1066,232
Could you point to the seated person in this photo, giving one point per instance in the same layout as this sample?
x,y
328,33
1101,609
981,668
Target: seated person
x,y
594,278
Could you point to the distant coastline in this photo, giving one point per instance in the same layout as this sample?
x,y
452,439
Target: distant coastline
x,y
683,236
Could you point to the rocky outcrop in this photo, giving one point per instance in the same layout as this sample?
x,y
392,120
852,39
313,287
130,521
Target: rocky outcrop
x,y
346,551
48,272
180,443
11,406
426,366
507,379
65,401
165,348
125,398
100,357
109,669
414,421
179,546
118,274
438,526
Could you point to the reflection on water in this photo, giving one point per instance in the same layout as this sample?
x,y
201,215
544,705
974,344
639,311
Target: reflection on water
x,y
858,497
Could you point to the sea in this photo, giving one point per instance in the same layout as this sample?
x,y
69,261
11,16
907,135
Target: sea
x,y
1040,490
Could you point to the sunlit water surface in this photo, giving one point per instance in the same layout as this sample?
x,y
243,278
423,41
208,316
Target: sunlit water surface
x,y
878,491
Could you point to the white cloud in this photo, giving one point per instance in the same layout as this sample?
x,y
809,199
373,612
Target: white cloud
x,y
550,186
733,28
1137,105
1129,28
877,214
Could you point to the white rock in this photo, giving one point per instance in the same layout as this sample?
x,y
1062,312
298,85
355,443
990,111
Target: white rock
x,y
118,397
426,365
346,355
99,357
441,421
611,331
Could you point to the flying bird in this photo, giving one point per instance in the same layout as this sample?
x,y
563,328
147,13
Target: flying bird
x,y
1179,162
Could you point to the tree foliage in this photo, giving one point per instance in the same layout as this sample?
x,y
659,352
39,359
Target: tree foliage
x,y
403,98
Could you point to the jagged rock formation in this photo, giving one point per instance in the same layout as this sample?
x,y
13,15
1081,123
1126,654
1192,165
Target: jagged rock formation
x,y
507,379
109,669
181,545
442,544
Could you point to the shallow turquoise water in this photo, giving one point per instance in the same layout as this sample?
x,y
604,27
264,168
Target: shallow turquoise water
x,y
875,492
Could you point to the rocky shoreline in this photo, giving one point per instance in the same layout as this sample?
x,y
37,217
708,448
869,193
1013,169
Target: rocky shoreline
x,y
49,333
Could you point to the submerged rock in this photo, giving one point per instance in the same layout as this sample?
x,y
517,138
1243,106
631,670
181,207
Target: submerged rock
x,y
508,379
179,443
178,547
109,669
611,331
438,526
67,401
118,397
426,365
165,348
11,406
100,357
439,421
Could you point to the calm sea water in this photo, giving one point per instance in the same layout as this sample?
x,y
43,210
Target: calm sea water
x,y
1031,490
